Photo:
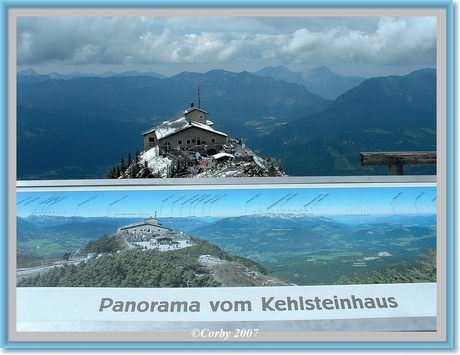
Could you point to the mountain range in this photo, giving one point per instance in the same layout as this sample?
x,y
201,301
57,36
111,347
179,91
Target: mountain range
x,y
395,113
311,249
153,99
320,81
80,126
31,76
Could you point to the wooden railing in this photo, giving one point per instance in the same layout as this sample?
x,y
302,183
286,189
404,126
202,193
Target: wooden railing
x,y
396,160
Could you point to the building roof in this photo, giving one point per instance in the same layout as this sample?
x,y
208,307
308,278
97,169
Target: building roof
x,y
175,125
148,222
222,155
193,108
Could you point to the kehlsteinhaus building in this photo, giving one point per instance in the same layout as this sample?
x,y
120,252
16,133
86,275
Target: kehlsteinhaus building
x,y
149,227
191,131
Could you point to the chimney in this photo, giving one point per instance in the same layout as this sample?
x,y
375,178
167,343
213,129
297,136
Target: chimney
x,y
192,104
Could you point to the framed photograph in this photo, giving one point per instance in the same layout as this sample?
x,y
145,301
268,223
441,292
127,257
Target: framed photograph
x,y
233,176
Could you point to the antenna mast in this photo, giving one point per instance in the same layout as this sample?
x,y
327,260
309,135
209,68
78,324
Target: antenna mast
x,y
198,94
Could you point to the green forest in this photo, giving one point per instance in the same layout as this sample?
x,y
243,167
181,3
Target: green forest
x,y
423,270
136,268
105,244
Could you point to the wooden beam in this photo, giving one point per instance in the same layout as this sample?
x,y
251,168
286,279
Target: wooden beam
x,y
395,169
396,160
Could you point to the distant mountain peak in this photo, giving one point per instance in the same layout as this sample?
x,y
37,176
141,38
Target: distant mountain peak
x,y
28,72
322,69
320,81
279,68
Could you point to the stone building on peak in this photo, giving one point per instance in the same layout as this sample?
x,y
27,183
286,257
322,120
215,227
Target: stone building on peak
x,y
191,131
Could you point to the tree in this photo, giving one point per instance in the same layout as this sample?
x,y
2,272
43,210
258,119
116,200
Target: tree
x,y
178,169
122,166
129,160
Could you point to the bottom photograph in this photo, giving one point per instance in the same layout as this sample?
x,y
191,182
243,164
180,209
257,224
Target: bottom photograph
x,y
213,262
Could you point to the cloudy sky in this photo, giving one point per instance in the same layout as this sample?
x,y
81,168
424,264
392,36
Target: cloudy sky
x,y
362,46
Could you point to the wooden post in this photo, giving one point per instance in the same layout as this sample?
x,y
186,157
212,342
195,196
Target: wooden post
x,y
396,160
395,169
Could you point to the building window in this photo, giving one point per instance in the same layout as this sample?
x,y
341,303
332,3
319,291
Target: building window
x,y
179,141
188,141
213,140
167,146
151,139
193,141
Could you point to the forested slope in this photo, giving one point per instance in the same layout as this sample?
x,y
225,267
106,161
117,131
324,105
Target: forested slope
x,y
151,268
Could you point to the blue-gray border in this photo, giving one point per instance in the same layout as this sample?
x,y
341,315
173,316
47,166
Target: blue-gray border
x,y
448,6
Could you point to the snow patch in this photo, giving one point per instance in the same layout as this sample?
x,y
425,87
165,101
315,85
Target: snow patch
x,y
259,161
157,163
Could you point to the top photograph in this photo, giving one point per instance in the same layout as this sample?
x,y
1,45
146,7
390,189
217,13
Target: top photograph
x,y
197,95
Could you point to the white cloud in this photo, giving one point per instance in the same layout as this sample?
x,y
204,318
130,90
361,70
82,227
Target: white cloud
x,y
223,40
